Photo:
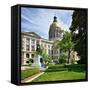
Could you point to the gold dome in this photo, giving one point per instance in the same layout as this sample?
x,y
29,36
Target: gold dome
x,y
55,23
54,30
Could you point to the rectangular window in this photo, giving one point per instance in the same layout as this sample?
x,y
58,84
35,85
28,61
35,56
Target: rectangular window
x,y
57,51
33,41
27,47
52,52
49,52
57,34
48,46
22,44
37,41
33,48
27,44
32,55
27,41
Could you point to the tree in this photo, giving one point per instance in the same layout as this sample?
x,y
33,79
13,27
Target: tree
x,y
63,58
66,43
41,51
79,25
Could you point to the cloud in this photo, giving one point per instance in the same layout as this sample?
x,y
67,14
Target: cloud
x,y
39,20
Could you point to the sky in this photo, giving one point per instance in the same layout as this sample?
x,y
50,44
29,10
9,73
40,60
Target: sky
x,y
38,20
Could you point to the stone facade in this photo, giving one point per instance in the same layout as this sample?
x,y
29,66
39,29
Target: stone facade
x,y
29,43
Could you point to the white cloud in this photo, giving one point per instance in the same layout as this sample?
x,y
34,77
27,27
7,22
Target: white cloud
x,y
39,20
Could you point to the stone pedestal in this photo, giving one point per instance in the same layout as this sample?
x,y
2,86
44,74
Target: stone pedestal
x,y
36,61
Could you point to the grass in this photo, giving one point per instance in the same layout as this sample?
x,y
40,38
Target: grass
x,y
62,72
29,72
54,68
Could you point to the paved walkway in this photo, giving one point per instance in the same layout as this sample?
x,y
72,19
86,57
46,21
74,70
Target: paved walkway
x,y
29,79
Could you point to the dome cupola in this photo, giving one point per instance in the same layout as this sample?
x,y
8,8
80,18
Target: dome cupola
x,y
55,23
55,19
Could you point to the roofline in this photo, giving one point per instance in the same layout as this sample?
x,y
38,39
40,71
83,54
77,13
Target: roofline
x,y
44,40
27,33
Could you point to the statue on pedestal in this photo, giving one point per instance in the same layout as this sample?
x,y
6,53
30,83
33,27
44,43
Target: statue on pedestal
x,y
38,60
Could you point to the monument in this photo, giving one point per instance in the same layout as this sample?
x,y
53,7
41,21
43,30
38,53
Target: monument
x,y
38,60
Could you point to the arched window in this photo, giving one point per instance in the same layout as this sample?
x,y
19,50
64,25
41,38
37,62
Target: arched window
x,y
27,55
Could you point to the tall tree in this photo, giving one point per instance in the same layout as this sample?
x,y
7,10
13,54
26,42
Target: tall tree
x,y
66,43
79,33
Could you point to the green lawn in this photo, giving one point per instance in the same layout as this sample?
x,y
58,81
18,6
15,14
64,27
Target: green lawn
x,y
29,72
62,72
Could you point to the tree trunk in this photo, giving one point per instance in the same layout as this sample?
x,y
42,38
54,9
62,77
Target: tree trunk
x,y
68,56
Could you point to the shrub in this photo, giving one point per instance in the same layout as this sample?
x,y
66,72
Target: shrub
x,y
30,60
76,67
29,72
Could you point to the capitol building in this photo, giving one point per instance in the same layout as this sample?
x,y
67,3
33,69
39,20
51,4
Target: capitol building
x,y
31,39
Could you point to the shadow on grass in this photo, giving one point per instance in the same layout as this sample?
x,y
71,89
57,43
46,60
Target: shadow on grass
x,y
73,67
56,70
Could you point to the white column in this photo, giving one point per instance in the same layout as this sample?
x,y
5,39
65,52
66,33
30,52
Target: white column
x,y
35,45
30,44
24,44
24,58
40,41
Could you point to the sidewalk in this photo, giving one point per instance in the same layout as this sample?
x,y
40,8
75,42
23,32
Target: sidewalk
x,y
29,79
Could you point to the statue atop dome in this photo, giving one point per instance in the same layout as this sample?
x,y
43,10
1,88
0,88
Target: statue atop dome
x,y
55,19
